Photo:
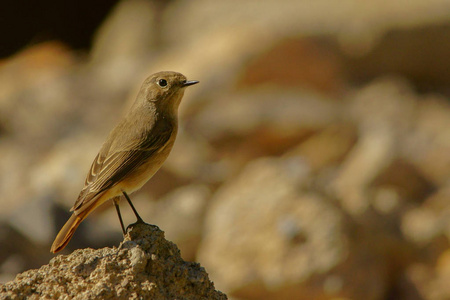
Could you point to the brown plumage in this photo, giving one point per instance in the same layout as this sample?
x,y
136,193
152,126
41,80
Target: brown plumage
x,y
134,150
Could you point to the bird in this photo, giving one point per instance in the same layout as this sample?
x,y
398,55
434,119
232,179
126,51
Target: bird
x,y
133,151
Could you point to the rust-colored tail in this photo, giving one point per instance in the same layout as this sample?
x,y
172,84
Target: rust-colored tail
x,y
66,233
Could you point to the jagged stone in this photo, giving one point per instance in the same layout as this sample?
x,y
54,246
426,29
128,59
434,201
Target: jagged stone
x,y
144,266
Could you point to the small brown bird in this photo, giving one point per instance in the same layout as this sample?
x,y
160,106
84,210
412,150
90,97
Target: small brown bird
x,y
133,152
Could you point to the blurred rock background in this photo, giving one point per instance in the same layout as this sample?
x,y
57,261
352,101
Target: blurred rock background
x,y
312,162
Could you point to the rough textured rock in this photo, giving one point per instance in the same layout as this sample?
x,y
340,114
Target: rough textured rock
x,y
144,266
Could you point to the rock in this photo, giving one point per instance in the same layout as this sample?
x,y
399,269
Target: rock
x,y
144,266
268,235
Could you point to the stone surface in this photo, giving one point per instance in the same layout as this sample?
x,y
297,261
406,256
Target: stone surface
x,y
144,266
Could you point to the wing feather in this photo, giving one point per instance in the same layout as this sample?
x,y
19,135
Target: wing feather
x,y
108,170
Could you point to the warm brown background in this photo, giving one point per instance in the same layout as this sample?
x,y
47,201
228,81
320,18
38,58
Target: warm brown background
x,y
313,159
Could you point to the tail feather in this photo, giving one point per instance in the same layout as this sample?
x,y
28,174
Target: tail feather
x,y
66,233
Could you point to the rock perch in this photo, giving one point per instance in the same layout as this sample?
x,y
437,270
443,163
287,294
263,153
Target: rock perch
x,y
144,266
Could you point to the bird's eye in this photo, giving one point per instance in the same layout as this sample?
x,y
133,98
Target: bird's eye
x,y
162,83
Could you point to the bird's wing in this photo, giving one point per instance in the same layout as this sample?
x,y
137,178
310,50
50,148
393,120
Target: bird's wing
x,y
108,170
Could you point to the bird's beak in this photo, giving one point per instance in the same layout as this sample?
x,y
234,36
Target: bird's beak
x,y
188,83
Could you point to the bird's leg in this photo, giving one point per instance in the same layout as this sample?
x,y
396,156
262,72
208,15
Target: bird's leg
x,y
139,219
116,205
